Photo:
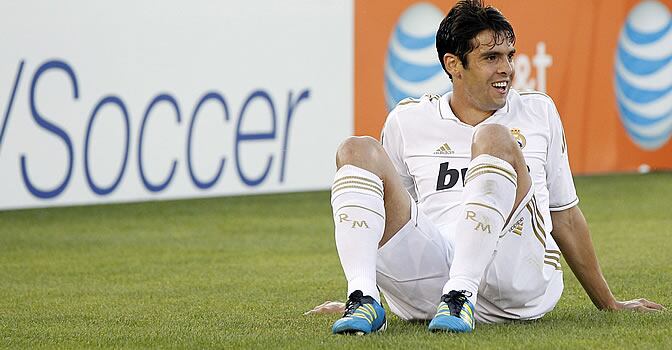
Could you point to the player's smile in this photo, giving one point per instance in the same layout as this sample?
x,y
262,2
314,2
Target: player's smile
x,y
501,86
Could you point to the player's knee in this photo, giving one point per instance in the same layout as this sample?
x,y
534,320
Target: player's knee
x,y
361,151
496,140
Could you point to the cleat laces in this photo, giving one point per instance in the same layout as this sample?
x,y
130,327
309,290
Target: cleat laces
x,y
455,300
354,302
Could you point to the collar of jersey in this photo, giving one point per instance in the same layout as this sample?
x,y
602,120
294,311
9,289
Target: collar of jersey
x,y
447,113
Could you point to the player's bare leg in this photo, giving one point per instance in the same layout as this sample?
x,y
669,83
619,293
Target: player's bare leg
x,y
496,182
370,205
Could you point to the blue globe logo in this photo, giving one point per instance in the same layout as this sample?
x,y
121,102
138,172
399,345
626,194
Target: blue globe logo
x,y
644,74
411,66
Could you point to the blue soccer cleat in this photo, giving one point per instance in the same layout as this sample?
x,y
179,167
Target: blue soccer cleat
x,y
363,315
455,313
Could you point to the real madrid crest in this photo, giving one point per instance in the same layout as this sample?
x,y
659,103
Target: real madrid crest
x,y
519,137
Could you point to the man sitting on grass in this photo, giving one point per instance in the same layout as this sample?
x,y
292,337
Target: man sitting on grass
x,y
463,211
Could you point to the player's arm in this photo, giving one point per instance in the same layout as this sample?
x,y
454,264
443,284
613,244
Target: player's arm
x,y
570,231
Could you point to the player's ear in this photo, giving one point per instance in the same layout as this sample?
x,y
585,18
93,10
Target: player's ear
x,y
453,65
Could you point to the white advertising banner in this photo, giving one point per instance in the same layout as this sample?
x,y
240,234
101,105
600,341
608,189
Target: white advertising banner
x,y
141,100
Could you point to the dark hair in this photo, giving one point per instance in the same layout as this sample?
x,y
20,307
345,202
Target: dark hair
x,y
463,23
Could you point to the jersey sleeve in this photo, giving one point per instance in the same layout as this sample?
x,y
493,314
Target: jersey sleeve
x,y
393,143
562,193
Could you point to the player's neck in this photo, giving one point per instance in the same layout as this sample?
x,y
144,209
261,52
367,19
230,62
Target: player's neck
x,y
466,112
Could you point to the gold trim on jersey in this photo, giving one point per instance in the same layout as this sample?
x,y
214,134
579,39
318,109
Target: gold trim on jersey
x,y
535,222
539,224
553,264
552,257
536,208
440,113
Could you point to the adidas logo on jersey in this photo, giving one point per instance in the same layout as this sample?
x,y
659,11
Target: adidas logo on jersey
x,y
517,228
444,149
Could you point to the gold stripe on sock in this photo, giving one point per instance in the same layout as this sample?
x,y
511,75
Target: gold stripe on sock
x,y
355,182
360,207
489,171
491,166
343,187
361,178
487,206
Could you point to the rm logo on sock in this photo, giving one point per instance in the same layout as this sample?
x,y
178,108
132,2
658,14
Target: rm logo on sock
x,y
355,223
479,225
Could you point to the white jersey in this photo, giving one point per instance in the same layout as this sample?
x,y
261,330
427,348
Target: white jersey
x,y
431,149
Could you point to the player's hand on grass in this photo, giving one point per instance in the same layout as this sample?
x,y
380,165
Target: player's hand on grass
x,y
328,307
641,305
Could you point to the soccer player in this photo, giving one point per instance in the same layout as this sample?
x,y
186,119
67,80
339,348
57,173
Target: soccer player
x,y
463,212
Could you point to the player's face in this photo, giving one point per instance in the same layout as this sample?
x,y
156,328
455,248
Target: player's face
x,y
487,80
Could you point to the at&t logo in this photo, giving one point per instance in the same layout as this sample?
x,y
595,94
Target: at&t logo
x,y
411,66
643,75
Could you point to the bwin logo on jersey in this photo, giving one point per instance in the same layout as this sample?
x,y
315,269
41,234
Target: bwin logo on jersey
x,y
411,66
643,76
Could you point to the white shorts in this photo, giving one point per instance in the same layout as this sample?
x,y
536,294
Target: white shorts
x,y
523,281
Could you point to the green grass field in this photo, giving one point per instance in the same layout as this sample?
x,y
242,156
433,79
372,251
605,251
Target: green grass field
x,y
239,272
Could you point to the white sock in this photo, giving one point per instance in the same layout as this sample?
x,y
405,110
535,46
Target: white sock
x,y
487,200
359,220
